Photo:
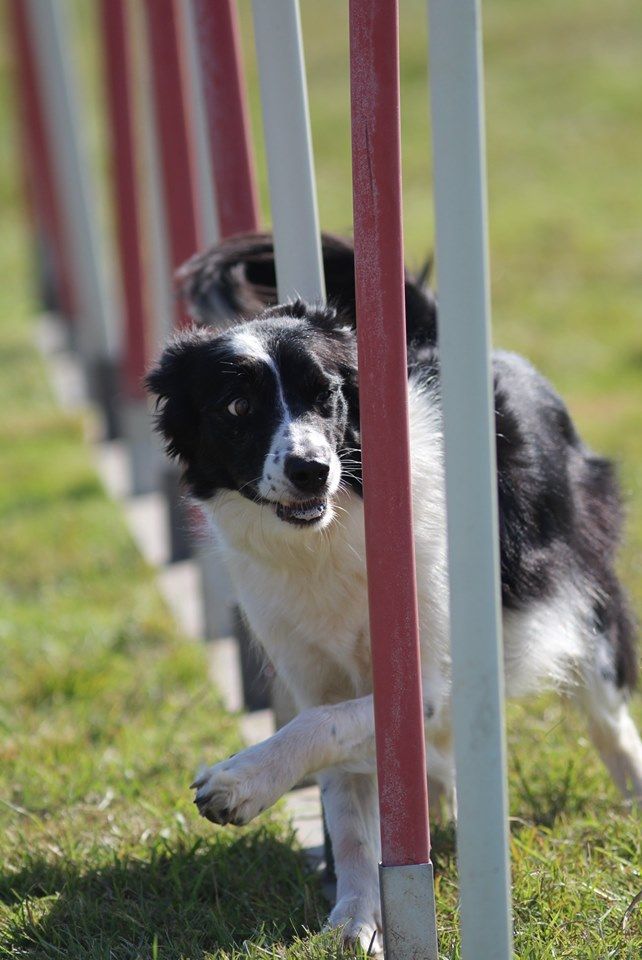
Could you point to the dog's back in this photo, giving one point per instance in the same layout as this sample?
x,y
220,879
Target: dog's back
x,y
236,279
559,504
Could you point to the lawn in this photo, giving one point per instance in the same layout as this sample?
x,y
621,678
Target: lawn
x,y
104,708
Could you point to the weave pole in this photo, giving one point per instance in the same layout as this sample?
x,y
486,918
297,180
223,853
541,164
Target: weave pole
x,y
38,159
471,482
226,172
136,327
179,183
208,212
218,77
293,199
407,892
155,232
288,144
173,124
219,49
98,335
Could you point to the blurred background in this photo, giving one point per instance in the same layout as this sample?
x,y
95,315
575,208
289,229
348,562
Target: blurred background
x,y
105,709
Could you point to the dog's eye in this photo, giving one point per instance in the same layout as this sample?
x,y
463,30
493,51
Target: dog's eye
x,y
323,397
239,407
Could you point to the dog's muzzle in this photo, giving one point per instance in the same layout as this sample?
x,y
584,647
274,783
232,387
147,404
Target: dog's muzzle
x,y
307,476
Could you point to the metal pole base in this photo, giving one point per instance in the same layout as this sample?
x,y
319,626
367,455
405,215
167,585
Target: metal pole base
x,y
143,448
178,514
408,911
46,280
103,381
256,690
217,592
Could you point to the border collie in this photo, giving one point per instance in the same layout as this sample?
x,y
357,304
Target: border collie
x,y
259,402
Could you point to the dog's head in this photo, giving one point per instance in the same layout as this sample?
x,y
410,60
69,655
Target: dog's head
x,y
267,409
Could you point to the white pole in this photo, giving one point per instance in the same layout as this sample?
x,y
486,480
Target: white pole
x,y
217,592
209,214
288,142
471,485
98,333
156,252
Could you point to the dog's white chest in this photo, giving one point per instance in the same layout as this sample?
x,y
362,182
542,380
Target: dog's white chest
x,y
308,606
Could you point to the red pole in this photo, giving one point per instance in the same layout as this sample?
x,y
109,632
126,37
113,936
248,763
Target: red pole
x,y
376,172
227,116
39,167
118,74
171,107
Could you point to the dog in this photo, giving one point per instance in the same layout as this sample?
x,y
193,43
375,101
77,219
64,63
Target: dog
x,y
259,403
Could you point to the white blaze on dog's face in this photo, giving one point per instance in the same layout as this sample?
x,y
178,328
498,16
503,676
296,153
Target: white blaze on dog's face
x,y
267,410
301,471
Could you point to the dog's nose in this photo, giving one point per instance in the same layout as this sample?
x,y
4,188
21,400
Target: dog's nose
x,y
309,476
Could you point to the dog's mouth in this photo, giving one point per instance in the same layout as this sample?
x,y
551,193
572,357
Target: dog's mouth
x,y
304,513
300,513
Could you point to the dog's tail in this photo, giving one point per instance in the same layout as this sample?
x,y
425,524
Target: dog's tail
x,y
237,279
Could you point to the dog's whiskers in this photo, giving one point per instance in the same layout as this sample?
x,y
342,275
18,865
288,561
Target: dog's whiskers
x,y
248,483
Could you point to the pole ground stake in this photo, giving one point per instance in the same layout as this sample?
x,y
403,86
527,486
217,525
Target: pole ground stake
x,y
408,904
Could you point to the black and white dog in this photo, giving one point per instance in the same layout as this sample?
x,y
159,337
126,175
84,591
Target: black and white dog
x,y
262,411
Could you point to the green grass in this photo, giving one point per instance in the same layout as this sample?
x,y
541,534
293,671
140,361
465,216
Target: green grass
x,y
104,708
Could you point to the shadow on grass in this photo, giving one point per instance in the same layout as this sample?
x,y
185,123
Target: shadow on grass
x,y
443,847
179,900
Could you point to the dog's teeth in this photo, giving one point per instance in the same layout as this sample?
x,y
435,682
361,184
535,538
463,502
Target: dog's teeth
x,y
307,512
302,512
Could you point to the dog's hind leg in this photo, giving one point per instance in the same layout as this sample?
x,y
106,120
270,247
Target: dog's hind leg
x,y
611,726
351,811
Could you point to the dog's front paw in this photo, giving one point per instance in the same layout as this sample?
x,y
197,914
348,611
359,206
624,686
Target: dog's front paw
x,y
360,924
234,791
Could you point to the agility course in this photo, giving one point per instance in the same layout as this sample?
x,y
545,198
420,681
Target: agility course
x,y
460,194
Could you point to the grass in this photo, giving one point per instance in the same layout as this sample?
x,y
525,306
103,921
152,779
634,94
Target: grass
x,y
104,708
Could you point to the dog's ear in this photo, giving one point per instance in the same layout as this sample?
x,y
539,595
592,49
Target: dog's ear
x,y
172,382
331,320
